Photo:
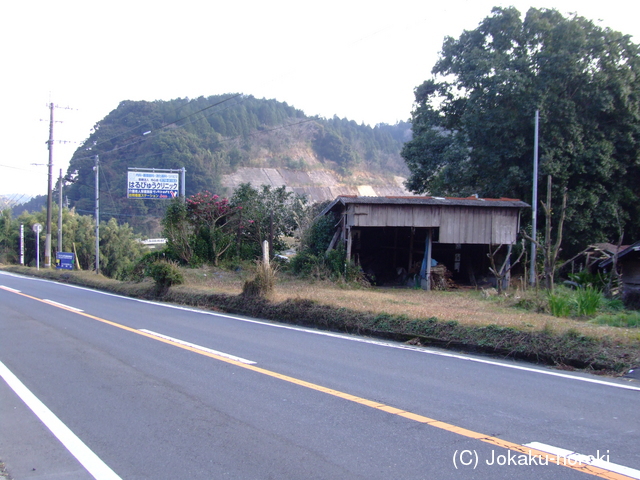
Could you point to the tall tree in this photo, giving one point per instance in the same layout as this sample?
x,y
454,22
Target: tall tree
x,y
473,122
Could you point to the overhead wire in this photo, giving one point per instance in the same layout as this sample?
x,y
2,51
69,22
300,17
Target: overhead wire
x,y
159,130
168,124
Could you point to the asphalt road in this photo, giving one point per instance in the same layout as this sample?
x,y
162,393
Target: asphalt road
x,y
154,392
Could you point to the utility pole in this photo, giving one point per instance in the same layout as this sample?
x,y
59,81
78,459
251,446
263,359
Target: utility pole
x,y
96,169
60,212
47,241
534,204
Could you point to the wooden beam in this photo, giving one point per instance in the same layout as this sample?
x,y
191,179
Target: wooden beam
x,y
334,239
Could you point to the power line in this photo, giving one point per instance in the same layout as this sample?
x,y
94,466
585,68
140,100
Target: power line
x,y
168,124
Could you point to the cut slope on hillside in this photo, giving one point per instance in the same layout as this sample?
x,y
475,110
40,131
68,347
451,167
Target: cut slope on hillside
x,y
317,185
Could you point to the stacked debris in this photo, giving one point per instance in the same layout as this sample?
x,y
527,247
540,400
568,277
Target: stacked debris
x,y
441,278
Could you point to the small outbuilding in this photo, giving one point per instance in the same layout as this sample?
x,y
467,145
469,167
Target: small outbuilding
x,y
628,264
397,240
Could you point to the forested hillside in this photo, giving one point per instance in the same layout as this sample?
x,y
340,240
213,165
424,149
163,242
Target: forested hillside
x,y
215,136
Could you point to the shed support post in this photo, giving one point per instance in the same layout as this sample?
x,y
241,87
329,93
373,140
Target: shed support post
x,y
425,270
413,229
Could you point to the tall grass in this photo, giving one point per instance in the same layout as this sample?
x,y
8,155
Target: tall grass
x,y
263,284
583,302
588,301
560,304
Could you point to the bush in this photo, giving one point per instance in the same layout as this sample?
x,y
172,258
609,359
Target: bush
x,y
586,279
165,274
263,285
307,264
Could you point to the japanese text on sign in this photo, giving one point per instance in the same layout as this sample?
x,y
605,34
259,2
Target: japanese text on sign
x,y
152,185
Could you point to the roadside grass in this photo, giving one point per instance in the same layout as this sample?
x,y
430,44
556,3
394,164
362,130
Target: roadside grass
x,y
518,325
620,319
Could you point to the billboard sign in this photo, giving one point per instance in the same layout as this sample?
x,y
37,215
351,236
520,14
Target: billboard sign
x,y
152,185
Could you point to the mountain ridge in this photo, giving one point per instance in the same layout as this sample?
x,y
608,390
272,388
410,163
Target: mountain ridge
x,y
220,141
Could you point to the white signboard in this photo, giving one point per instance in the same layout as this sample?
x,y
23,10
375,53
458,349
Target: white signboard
x,y
152,185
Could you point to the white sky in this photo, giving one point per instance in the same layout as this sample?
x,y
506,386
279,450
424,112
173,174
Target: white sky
x,y
355,59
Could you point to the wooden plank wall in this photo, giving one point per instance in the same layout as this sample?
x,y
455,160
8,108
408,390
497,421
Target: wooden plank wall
x,y
464,225
394,215
631,272
505,226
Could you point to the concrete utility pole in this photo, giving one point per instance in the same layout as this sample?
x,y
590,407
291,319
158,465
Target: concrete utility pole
x,y
96,169
47,240
534,203
60,212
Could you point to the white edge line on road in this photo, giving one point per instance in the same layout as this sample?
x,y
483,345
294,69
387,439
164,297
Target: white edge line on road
x,y
4,287
199,347
58,304
351,338
600,460
89,460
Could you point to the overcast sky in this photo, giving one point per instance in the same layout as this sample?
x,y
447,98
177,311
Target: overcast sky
x,y
355,59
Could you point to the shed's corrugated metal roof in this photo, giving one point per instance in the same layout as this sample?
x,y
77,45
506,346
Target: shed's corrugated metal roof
x,y
450,201
632,248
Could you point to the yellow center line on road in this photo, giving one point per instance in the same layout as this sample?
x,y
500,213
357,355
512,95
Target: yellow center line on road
x,y
495,441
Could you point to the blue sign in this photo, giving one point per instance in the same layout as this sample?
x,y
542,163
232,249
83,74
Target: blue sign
x,y
65,260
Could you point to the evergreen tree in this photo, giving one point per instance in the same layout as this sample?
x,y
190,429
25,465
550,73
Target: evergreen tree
x,y
473,123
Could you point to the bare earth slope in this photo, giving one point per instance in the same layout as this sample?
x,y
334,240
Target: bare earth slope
x,y
317,185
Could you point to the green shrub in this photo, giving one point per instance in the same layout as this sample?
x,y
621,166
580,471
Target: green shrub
x,y
307,264
165,274
586,279
139,270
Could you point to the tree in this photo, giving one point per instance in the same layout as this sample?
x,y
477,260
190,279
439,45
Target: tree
x,y
211,216
473,122
178,231
119,249
8,237
267,214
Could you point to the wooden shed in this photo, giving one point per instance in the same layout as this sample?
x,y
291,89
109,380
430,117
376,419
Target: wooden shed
x,y
628,262
396,237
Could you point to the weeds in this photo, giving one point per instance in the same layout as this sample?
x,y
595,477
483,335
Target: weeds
x,y
588,301
559,304
622,319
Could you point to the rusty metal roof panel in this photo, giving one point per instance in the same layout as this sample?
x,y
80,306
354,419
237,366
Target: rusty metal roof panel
x,y
450,201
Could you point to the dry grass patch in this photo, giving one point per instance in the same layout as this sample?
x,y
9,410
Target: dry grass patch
x,y
467,307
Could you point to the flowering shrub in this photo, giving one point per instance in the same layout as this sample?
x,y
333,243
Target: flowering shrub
x,y
212,217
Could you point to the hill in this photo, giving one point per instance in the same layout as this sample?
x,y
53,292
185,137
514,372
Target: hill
x,y
225,140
